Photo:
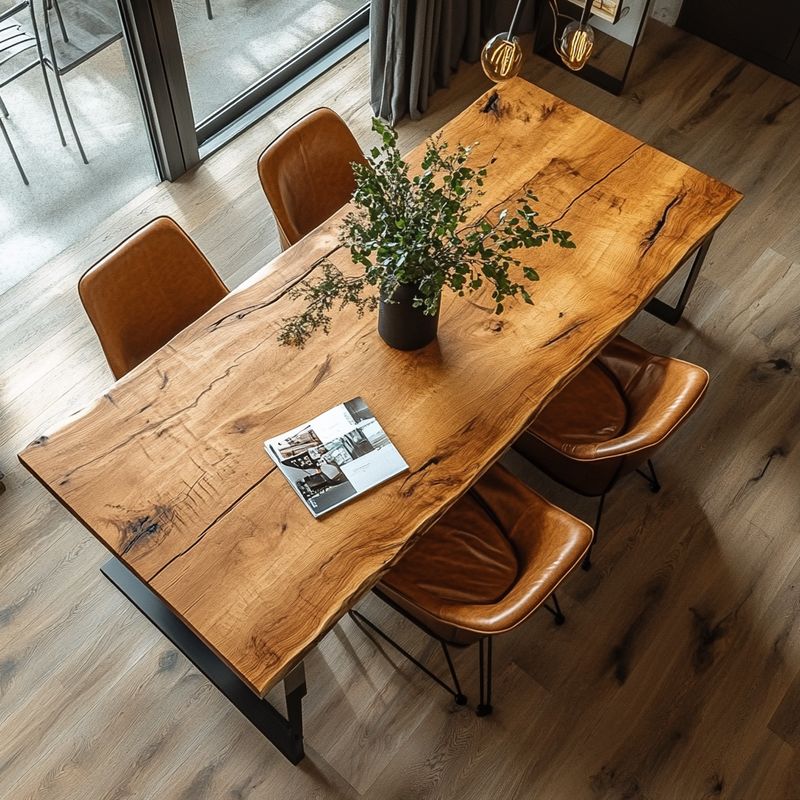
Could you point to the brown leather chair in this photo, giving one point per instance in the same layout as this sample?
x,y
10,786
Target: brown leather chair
x,y
146,290
306,173
611,418
483,569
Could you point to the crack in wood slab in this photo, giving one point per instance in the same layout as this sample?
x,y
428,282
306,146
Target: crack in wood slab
x,y
650,238
241,313
160,423
596,183
323,370
564,334
203,533
776,452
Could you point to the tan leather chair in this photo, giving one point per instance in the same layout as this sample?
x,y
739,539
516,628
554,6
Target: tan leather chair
x,y
306,173
611,418
146,290
483,569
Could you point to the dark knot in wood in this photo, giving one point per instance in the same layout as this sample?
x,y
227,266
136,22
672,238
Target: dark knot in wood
x,y
491,105
151,527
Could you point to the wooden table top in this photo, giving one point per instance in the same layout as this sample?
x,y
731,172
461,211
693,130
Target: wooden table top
x,y
167,468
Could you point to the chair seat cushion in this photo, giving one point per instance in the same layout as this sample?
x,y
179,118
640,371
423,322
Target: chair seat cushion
x,y
488,563
612,416
464,558
590,409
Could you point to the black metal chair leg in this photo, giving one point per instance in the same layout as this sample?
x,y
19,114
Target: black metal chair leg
x,y
54,4
652,478
209,12
558,614
458,695
60,84
16,160
485,677
587,559
42,64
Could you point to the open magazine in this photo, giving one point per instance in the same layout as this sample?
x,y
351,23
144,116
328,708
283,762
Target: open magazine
x,y
336,456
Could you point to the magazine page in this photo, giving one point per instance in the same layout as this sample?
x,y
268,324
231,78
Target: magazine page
x,y
336,456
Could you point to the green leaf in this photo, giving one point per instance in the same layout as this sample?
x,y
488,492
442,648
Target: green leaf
x,y
424,229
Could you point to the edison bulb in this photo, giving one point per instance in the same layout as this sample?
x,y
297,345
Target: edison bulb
x,y
576,45
501,58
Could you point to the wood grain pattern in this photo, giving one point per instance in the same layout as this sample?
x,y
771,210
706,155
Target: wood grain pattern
x,y
563,723
167,467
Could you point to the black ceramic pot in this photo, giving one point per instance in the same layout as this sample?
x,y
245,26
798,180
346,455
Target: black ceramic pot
x,y
405,326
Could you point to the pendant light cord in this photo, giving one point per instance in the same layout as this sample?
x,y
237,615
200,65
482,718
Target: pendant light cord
x,y
587,6
515,19
556,15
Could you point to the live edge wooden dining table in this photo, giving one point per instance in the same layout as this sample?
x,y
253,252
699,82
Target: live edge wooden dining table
x,y
167,468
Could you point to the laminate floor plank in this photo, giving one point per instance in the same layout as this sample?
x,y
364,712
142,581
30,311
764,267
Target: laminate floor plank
x,y
785,721
431,764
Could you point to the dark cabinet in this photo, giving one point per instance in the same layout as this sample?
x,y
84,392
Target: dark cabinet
x,y
766,32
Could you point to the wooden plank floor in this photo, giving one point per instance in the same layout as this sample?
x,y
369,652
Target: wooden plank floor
x,y
678,672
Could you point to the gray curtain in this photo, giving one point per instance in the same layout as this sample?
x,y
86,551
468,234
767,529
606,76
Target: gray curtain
x,y
416,45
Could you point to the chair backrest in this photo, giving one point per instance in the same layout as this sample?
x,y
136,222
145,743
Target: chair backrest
x,y
306,173
146,290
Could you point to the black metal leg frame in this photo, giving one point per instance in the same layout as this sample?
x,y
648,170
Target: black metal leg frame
x,y
668,313
285,733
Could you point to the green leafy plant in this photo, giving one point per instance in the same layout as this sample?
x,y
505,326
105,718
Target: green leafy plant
x,y
421,230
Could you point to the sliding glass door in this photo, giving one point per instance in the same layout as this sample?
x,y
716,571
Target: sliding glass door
x,y
209,68
235,51
93,93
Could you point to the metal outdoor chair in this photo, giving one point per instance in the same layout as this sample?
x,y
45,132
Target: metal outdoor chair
x,y
13,152
4,112
15,40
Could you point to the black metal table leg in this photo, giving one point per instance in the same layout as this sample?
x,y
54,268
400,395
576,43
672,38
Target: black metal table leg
x,y
668,313
285,734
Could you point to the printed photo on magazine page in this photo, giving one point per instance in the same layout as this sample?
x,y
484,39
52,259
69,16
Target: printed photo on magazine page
x,y
336,456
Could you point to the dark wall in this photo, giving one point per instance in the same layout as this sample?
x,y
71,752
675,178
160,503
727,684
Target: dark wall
x,y
766,32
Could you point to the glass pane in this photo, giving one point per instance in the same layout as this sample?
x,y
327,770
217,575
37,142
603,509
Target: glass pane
x,y
246,40
65,198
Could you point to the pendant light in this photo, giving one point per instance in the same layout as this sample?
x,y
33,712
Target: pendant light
x,y
577,40
501,56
